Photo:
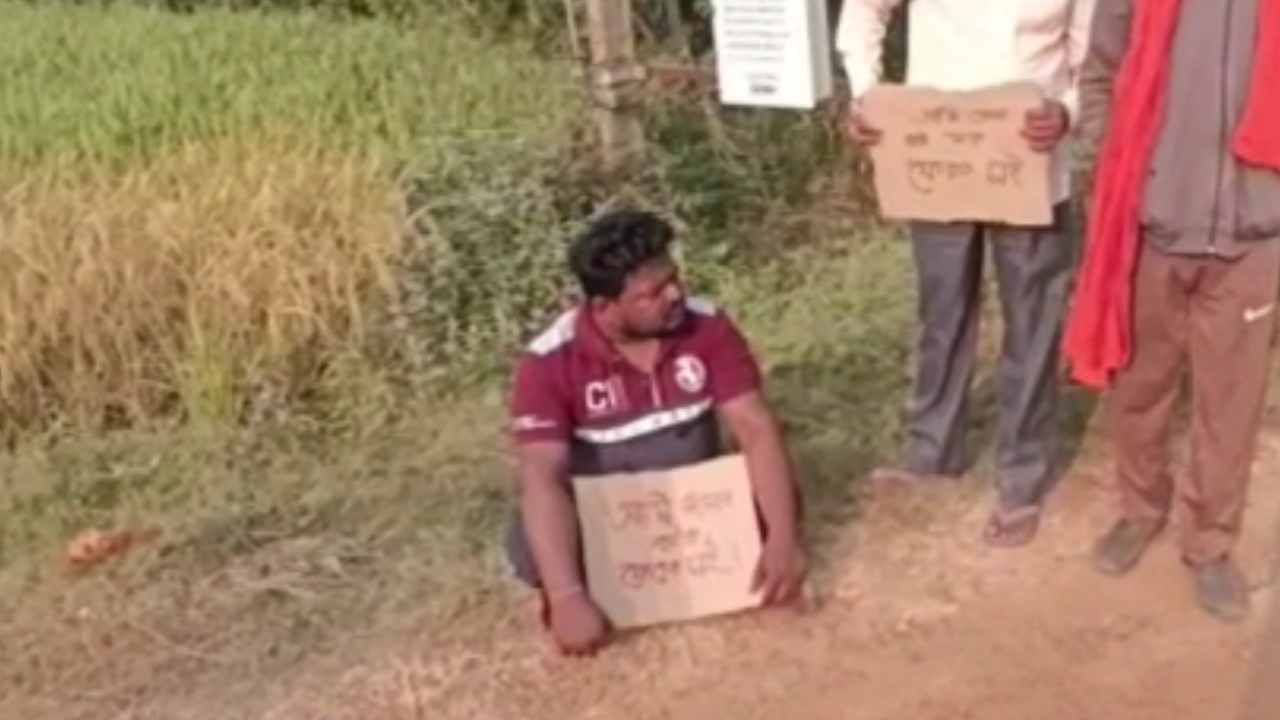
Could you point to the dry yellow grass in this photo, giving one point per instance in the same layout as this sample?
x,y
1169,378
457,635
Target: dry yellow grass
x,y
179,288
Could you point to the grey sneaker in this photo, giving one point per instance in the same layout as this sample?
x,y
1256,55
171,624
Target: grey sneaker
x,y
1222,590
1122,547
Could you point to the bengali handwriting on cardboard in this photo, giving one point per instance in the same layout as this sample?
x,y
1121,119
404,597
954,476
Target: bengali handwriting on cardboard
x,y
670,546
955,156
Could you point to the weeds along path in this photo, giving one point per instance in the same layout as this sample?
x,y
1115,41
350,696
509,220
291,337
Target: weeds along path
x,y
917,619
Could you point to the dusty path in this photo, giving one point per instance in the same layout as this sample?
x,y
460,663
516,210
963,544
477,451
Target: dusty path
x,y
917,621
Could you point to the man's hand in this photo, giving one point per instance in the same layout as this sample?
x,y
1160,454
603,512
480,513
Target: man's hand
x,y
577,624
1046,126
782,565
857,128
781,571
551,527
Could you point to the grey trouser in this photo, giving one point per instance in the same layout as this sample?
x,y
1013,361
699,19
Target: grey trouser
x,y
1032,268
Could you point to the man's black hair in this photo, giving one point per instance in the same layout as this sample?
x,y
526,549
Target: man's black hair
x,y
615,246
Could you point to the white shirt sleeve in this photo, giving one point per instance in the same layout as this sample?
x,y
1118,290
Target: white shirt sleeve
x,y
1077,49
860,41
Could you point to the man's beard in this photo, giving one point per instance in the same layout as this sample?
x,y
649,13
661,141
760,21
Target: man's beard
x,y
632,334
670,326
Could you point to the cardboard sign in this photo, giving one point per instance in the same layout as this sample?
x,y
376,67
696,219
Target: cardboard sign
x,y
772,53
957,156
670,546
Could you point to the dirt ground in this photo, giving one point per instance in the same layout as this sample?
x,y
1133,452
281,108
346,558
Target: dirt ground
x,y
915,619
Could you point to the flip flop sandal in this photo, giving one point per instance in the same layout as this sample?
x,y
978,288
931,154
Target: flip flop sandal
x,y
1012,528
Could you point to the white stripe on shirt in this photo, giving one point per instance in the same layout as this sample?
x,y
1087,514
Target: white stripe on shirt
x,y
644,425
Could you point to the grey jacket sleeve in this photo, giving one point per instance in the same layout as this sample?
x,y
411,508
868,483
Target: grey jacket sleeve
x,y
1108,44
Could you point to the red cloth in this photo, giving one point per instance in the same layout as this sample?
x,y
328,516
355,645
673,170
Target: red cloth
x,y
1098,339
1258,137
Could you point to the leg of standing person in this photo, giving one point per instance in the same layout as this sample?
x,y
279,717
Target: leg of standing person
x,y
1232,325
948,261
1141,405
1033,269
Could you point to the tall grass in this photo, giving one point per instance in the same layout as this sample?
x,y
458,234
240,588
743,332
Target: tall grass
x,y
113,85
472,147
202,211
178,288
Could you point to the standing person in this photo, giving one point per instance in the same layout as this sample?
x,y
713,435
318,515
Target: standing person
x,y
635,379
1183,266
966,45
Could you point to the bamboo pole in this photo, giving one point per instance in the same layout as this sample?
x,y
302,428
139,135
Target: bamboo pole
x,y
615,79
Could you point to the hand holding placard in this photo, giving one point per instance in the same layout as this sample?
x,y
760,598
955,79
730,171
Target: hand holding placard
x,y
958,156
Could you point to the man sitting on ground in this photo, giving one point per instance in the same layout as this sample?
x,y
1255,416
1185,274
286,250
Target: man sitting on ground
x,y
634,379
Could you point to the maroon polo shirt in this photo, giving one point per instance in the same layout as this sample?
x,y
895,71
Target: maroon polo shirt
x,y
573,386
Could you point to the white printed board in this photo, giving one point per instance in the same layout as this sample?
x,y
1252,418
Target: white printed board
x,y
773,53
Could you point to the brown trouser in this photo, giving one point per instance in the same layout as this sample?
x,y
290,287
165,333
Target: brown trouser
x,y
1219,315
